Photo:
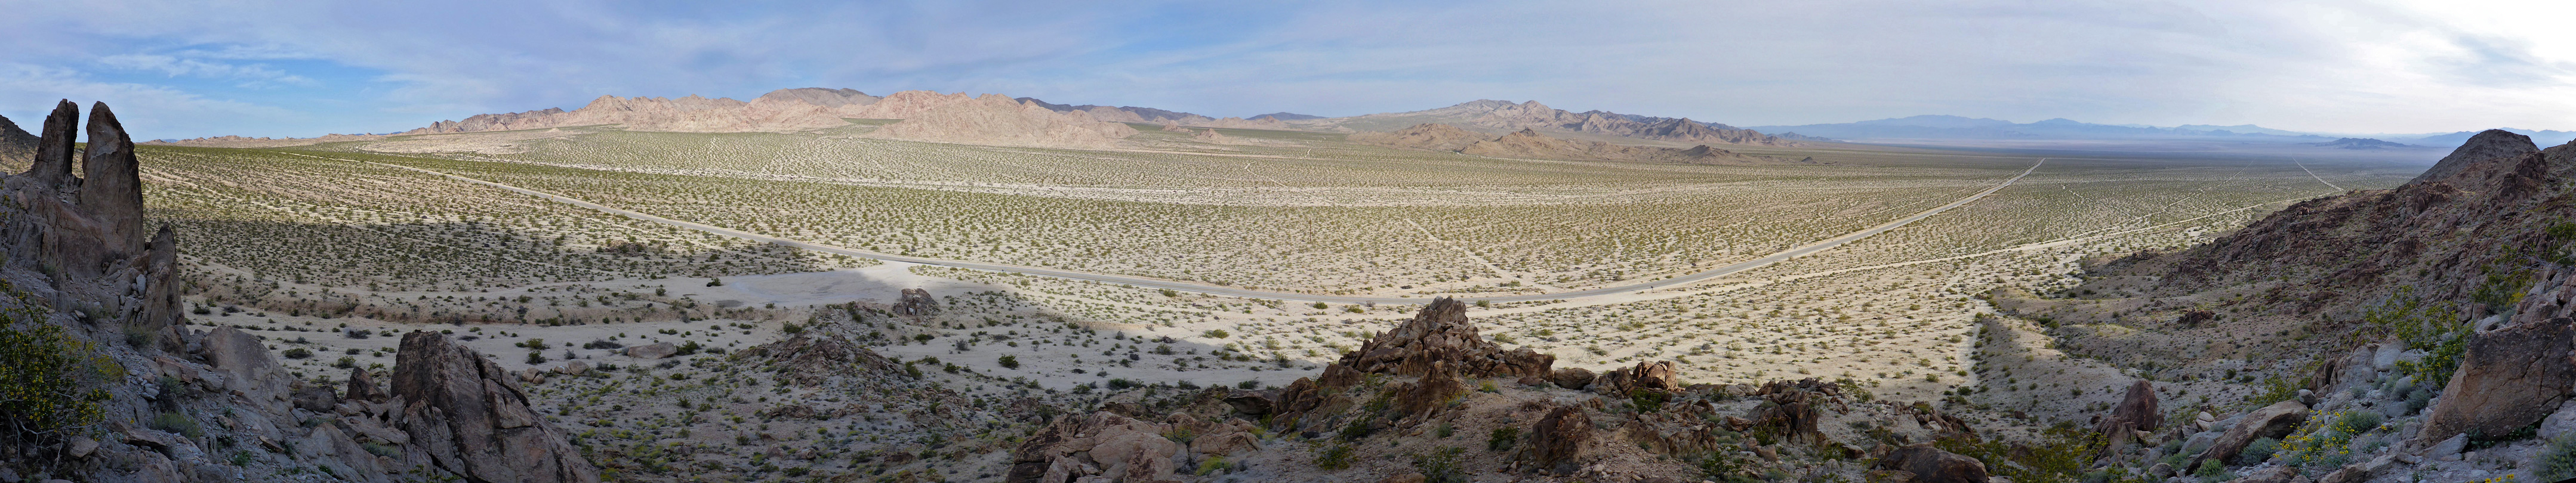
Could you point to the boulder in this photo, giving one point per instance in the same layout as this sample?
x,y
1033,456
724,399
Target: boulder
x,y
55,150
469,416
1440,333
916,302
111,188
656,350
1654,376
2559,423
1571,377
316,398
1932,465
2273,421
1432,392
247,368
2272,474
573,368
1556,442
362,387
2510,377
2136,411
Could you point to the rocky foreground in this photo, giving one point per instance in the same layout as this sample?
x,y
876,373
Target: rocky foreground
x,y
106,381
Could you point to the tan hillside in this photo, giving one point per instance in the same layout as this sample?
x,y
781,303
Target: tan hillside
x,y
998,120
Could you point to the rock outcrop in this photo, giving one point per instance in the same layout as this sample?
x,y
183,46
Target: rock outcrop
x,y
1440,333
2136,412
1556,442
2273,421
470,418
1932,465
916,302
2510,377
1101,447
1647,376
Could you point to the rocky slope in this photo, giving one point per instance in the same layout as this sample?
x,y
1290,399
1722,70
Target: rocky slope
x,y
2439,310
997,120
107,382
1148,115
1431,136
15,143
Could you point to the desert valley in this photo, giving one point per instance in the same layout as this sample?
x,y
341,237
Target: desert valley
x,y
825,284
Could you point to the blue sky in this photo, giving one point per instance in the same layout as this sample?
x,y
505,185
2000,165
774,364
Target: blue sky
x,y
305,68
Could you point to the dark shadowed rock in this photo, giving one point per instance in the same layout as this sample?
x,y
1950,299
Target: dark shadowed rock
x,y
316,398
2136,412
2488,145
1434,391
1571,377
1100,447
53,166
1441,333
16,144
467,415
916,302
1932,465
2511,377
111,190
2273,421
362,387
1556,443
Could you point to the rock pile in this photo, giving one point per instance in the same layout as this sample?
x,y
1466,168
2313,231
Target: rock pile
x,y
1441,333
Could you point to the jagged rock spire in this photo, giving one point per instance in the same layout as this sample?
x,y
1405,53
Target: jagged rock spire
x,y
111,186
54,150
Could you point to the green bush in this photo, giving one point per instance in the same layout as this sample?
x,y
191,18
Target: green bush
x,y
178,423
2557,461
2259,451
2211,470
1647,401
1725,467
1502,439
47,379
1440,465
1010,362
299,353
1337,456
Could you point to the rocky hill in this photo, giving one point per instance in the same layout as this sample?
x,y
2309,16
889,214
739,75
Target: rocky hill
x,y
104,379
15,143
1492,115
2437,310
1148,115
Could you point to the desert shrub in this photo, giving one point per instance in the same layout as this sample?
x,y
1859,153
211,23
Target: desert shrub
x,y
690,348
2361,421
2211,470
2325,441
177,423
1502,439
1647,401
2259,451
1010,362
1726,467
791,328
2061,454
536,357
2431,327
2556,461
298,353
47,379
1248,385
1440,465
1334,457
1122,383
1216,334
596,344
1211,465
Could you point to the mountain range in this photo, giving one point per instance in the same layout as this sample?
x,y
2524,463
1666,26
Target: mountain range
x,y
1957,127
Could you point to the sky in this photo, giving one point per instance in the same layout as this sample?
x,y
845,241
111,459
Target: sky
x,y
181,69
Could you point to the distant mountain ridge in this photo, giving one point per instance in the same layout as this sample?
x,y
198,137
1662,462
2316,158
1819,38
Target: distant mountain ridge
x,y
1506,116
1958,127
1528,143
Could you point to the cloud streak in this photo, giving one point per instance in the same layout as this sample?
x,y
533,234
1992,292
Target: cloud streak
x,y
315,67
